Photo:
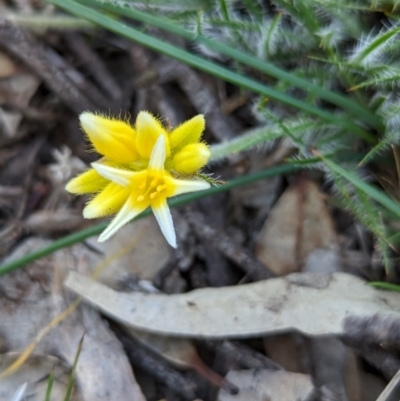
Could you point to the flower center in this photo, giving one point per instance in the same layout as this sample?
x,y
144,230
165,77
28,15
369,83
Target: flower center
x,y
151,188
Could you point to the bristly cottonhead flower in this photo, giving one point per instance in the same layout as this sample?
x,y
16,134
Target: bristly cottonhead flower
x,y
141,167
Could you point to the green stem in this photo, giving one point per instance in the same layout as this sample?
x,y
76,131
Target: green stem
x,y
205,65
341,101
178,201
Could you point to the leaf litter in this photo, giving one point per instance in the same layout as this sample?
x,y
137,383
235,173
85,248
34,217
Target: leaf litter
x,y
298,236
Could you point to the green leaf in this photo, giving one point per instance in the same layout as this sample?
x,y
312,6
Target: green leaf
x,y
72,374
385,286
49,386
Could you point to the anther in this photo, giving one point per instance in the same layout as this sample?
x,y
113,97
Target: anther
x,y
160,188
153,195
140,198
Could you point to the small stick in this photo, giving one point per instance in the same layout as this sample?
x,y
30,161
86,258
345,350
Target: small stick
x,y
374,330
94,64
199,94
25,48
226,245
244,355
381,359
157,368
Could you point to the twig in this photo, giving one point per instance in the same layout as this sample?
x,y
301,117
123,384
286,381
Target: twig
x,y
25,48
244,355
374,330
150,95
382,360
199,94
157,368
219,270
94,64
225,245
82,84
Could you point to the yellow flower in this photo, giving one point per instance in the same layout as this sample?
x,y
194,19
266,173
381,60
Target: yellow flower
x,y
142,189
140,167
130,147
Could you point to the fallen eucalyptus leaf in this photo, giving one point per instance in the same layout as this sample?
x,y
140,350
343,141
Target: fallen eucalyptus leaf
x,y
311,303
271,385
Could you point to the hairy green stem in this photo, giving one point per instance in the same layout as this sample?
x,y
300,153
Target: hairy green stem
x,y
178,201
368,189
205,65
257,136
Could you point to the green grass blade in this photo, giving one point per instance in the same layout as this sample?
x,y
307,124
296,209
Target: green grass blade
x,y
371,191
204,65
178,201
72,374
246,59
385,286
49,386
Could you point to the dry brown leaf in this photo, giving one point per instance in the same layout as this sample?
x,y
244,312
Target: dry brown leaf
x,y
178,351
16,90
271,385
311,303
282,349
50,221
7,67
298,224
141,248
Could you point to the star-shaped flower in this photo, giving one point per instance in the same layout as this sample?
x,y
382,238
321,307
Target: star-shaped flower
x,y
131,152
147,188
122,145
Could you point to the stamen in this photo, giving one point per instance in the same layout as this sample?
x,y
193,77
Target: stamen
x,y
143,185
154,182
160,188
140,198
153,195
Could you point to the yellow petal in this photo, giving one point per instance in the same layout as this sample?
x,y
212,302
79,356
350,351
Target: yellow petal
x,y
114,139
128,212
86,183
188,132
117,175
191,158
107,202
157,157
164,220
186,186
148,129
